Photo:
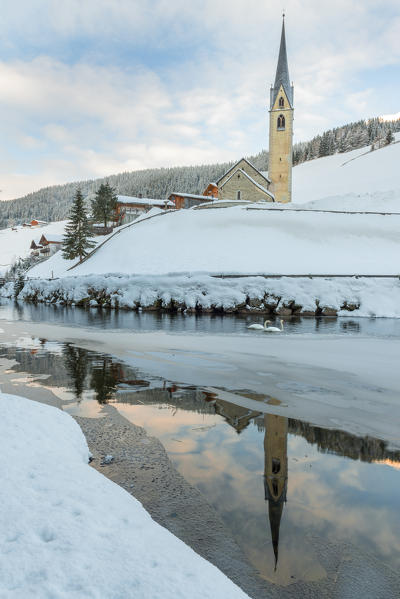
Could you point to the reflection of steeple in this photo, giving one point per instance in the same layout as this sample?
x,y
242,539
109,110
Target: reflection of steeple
x,y
275,473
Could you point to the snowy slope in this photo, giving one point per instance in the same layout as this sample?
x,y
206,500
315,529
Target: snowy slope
x,y
243,241
16,244
67,531
374,176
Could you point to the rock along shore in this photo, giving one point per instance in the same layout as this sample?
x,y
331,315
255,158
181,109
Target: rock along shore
x,y
281,296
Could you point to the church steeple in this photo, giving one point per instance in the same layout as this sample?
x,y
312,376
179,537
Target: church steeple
x,y
275,473
282,71
281,128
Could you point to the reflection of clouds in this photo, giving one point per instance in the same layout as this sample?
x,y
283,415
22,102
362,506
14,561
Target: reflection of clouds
x,y
328,495
351,477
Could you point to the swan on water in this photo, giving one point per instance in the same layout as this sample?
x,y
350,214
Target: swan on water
x,y
266,328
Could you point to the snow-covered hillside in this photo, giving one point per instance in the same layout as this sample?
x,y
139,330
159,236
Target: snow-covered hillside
x,y
245,241
357,180
15,244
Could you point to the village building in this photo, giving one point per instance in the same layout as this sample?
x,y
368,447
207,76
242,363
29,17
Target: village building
x,y
243,182
129,208
275,473
50,243
211,190
35,223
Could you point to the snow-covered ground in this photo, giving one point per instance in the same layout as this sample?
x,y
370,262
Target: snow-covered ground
x,y
360,180
66,531
242,241
16,244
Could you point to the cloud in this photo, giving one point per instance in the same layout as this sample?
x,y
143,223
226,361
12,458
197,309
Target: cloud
x,y
91,88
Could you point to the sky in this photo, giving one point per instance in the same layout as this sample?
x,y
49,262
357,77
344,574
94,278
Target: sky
x,y
95,87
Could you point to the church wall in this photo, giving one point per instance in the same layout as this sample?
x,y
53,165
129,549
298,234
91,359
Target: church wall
x,y
248,191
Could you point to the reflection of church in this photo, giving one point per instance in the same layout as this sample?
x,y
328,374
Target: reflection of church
x,y
275,472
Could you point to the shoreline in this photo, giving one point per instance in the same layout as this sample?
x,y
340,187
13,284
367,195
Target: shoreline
x,y
280,296
142,467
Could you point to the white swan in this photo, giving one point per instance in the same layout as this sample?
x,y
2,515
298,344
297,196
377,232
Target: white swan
x,y
273,329
260,327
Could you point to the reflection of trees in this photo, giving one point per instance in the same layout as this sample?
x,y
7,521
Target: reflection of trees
x,y
76,361
366,449
104,378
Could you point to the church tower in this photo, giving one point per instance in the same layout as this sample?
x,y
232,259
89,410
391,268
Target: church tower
x,y
275,473
281,128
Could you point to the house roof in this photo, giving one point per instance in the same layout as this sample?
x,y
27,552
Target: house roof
x,y
282,72
249,163
52,238
190,195
260,187
141,201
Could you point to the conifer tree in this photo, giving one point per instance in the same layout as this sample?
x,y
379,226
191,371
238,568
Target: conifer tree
x,y
389,137
104,204
77,242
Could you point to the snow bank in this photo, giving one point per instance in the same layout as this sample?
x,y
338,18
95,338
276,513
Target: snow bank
x,y
360,172
285,295
66,531
16,243
238,240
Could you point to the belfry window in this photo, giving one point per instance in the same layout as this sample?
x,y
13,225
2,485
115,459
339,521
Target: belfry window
x,y
281,121
281,102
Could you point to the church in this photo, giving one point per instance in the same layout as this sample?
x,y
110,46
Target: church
x,y
243,181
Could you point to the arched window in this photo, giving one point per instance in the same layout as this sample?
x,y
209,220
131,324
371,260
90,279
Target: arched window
x,y
281,102
281,121
238,195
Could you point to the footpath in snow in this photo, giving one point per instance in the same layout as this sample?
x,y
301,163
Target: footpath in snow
x,y
67,531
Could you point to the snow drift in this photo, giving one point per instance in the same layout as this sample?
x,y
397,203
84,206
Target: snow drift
x,y
67,531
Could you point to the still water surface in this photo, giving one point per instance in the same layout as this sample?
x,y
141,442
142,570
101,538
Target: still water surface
x,y
226,324
275,481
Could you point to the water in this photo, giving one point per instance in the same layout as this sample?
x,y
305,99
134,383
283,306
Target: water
x,y
274,480
226,324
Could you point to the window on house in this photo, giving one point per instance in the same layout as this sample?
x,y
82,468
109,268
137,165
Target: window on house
x,y
281,102
281,121
238,195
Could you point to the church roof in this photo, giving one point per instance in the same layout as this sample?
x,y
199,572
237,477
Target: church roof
x,y
282,72
262,173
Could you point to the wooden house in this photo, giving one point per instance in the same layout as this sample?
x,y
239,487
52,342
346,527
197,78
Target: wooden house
x,y
129,208
211,190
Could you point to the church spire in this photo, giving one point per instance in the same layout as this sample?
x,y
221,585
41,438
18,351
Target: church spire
x,y
282,71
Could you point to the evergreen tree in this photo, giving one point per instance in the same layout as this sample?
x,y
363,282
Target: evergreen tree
x,y
76,359
104,379
77,242
389,137
104,204
19,283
